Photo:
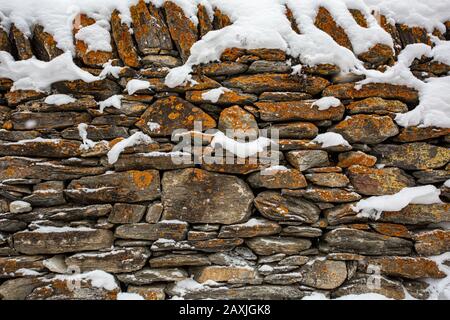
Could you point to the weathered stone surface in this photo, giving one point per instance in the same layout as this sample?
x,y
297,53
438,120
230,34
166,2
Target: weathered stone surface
x,y
16,97
52,148
405,267
89,57
259,83
325,22
47,120
21,43
252,228
380,90
161,61
18,167
204,20
241,122
306,159
265,246
149,29
300,231
10,225
275,206
377,106
5,44
419,214
366,129
262,66
413,156
150,292
68,213
230,274
47,194
128,186
115,261
331,179
322,194
277,179
284,96
84,103
198,84
61,240
391,229
212,245
376,182
359,158
431,176
227,98
173,113
59,288
44,44
223,199
362,284
260,292
123,40
127,213
96,133
152,160
297,110
432,243
363,242
11,267
295,130
413,134
182,29
324,274
100,89
224,68
175,230
179,260
150,275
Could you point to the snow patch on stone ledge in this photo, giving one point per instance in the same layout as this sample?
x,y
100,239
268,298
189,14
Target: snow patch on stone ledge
x,y
331,139
118,148
373,207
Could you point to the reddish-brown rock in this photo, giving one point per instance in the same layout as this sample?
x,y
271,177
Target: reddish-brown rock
x,y
124,41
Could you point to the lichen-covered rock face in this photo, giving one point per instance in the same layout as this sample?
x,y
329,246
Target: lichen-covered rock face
x,y
94,181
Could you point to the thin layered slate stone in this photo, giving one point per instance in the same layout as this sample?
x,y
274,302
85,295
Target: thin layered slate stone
x,y
224,199
19,167
377,182
153,160
380,90
115,261
128,186
68,213
420,214
44,44
149,275
20,42
210,245
173,113
265,246
62,240
150,30
432,242
275,206
182,29
252,228
198,83
81,104
363,242
175,230
405,267
179,260
413,134
413,156
52,148
100,89
366,129
304,110
227,98
230,274
377,106
277,179
260,83
47,120
124,41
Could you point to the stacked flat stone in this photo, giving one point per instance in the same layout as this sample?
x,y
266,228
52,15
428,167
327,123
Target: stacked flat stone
x,y
152,223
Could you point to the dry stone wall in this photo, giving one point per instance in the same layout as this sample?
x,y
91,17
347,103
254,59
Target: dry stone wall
x,y
150,223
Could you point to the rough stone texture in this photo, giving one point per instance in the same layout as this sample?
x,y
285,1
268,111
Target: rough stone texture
x,y
366,129
60,240
362,242
263,230
370,181
130,186
223,199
